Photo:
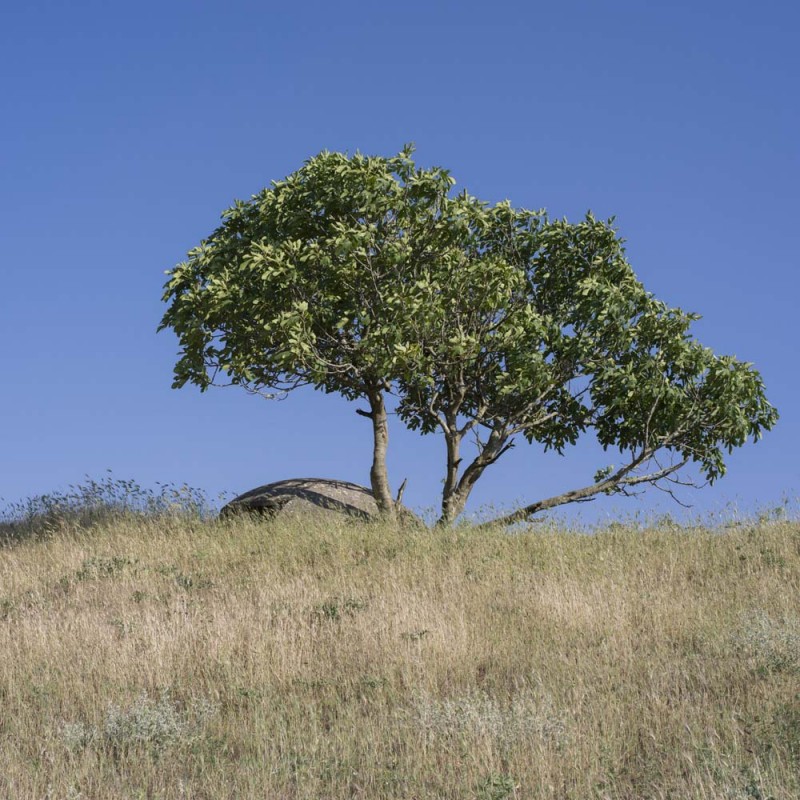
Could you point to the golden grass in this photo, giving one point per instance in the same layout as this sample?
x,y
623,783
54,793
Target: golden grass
x,y
307,659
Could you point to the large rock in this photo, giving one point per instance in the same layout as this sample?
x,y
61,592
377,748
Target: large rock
x,y
308,495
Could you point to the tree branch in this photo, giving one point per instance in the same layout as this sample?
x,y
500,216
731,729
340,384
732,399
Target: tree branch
x,y
586,493
653,476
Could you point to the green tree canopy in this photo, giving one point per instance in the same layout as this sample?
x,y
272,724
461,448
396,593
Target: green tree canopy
x,y
550,335
366,276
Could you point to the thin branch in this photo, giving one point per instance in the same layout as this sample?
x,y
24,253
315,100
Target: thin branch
x,y
653,476
672,494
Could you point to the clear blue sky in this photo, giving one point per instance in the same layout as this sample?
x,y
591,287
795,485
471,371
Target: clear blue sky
x,y
127,129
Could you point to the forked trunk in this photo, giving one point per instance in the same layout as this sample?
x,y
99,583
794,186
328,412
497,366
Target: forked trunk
x,y
452,506
457,492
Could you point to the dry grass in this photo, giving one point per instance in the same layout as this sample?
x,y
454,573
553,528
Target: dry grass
x,y
169,658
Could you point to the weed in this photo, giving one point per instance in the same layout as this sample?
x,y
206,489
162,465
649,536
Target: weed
x,y
496,787
477,715
7,606
96,502
335,608
122,628
773,645
196,581
415,636
154,725
98,567
751,787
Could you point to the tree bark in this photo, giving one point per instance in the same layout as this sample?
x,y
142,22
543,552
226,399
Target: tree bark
x,y
588,492
456,493
450,508
379,477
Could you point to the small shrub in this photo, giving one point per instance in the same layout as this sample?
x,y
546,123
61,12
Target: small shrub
x,y
99,567
415,636
336,608
773,645
187,582
496,787
478,715
122,627
749,788
7,606
155,725
78,736
95,502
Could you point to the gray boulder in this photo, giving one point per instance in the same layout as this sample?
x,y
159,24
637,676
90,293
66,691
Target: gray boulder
x,y
308,495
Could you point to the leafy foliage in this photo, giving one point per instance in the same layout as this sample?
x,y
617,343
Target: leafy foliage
x,y
304,283
364,275
543,330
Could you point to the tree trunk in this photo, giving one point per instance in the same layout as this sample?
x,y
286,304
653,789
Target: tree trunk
x,y
379,478
450,506
455,496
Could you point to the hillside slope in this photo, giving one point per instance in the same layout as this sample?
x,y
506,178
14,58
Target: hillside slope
x,y
172,658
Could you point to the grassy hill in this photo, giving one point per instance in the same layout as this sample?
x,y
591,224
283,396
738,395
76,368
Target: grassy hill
x,y
168,657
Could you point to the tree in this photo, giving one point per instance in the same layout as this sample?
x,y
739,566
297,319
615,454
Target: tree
x,y
303,285
550,334
366,276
